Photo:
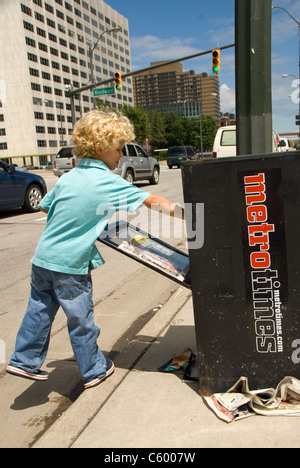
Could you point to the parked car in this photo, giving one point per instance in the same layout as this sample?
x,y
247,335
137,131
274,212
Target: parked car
x,y
286,145
177,154
135,164
64,161
225,142
19,188
49,165
18,168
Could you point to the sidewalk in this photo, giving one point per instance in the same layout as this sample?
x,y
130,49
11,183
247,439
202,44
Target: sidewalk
x,y
140,407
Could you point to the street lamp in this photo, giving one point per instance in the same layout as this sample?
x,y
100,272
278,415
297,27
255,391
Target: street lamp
x,y
287,74
91,49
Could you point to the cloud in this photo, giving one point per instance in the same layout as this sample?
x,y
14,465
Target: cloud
x,y
227,98
150,48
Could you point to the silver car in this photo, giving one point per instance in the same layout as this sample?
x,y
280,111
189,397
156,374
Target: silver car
x,y
135,165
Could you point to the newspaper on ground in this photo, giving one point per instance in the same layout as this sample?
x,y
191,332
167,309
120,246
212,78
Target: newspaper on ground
x,y
178,362
239,402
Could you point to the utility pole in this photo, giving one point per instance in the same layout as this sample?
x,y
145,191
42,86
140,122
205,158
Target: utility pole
x,y
253,76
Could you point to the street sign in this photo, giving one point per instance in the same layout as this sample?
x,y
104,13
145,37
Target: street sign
x,y
103,91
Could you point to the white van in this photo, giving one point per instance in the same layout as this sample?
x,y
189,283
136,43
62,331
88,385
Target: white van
x,y
286,145
225,142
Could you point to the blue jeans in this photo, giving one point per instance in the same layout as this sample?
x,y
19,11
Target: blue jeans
x,y
49,290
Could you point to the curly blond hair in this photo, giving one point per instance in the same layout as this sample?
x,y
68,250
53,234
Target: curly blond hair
x,y
98,130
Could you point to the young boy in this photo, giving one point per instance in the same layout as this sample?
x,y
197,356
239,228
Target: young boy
x,y
79,208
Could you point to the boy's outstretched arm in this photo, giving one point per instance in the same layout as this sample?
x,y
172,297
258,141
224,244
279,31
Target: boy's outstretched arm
x,y
162,204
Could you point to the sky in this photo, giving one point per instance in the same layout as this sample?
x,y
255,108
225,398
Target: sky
x,y
170,29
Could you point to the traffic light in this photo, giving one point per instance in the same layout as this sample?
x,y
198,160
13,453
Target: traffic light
x,y
118,81
216,60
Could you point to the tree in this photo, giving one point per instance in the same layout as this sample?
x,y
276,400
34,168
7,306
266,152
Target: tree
x,y
175,131
157,131
139,118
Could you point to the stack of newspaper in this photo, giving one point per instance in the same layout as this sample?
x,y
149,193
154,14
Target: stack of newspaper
x,y
239,402
155,254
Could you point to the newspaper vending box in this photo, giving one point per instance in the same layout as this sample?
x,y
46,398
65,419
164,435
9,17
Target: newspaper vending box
x,y
246,278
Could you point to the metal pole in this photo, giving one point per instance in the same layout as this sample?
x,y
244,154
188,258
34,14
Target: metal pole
x,y
253,76
110,80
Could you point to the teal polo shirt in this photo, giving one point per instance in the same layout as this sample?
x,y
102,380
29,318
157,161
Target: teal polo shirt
x,y
79,208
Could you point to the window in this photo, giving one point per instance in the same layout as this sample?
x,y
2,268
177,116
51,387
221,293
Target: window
x,y
68,6
228,138
34,72
39,129
55,65
43,47
63,42
30,42
41,32
44,61
26,10
3,146
35,87
60,14
47,89
32,57
52,37
49,8
51,23
39,115
28,26
39,17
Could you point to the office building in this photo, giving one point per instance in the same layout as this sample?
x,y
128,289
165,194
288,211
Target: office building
x,y
168,88
46,48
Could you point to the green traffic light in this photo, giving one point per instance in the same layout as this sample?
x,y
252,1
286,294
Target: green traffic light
x,y
118,87
216,69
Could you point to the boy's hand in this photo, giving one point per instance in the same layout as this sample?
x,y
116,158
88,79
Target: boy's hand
x,y
158,203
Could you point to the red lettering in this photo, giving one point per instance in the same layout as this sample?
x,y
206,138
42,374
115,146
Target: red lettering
x,y
263,239
260,260
257,213
256,187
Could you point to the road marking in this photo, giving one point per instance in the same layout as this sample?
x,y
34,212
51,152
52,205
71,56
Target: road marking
x,y
42,219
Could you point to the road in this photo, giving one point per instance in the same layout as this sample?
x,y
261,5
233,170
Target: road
x,y
126,294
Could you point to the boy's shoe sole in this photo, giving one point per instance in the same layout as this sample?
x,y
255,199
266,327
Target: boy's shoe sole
x,y
40,375
110,367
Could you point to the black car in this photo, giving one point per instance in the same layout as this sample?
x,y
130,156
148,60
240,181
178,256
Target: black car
x,y
19,188
177,154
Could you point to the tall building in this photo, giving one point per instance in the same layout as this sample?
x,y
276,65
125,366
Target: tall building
x,y
45,48
168,88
